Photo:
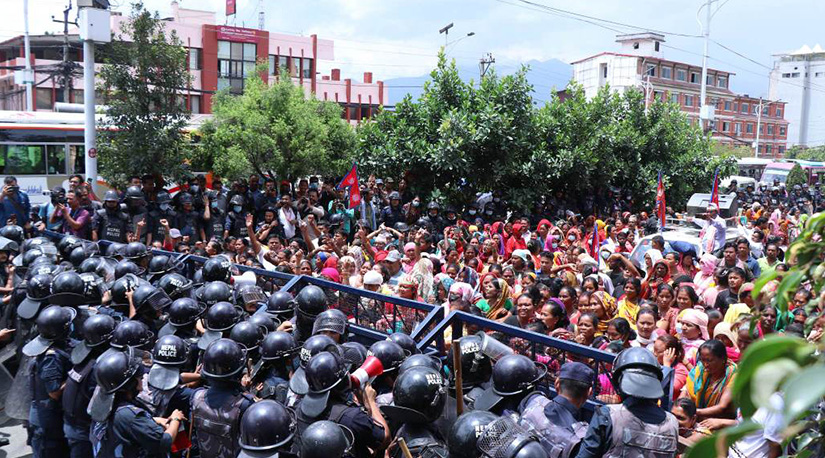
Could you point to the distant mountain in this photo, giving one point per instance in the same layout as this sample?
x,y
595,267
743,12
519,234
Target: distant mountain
x,y
545,77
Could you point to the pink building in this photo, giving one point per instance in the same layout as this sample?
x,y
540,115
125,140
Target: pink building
x,y
219,57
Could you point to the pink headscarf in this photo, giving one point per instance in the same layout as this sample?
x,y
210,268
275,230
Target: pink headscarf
x,y
697,318
707,263
332,274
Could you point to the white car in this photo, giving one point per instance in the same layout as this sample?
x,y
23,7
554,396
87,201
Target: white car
x,y
686,238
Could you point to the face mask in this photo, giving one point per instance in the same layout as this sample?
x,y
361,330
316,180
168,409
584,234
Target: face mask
x,y
554,245
496,199
454,297
164,207
451,218
213,204
572,238
237,208
472,212
194,188
678,328
489,212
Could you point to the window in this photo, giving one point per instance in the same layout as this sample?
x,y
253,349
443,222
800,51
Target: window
x,y
780,150
656,46
819,74
770,129
710,80
659,95
636,45
782,131
236,61
749,128
56,159
722,81
43,99
681,75
272,60
765,110
743,108
77,159
651,70
195,104
674,98
604,70
283,64
795,75
694,77
22,160
195,59
778,112
725,126
667,72
755,109
737,128
768,149
688,100
727,105
307,70
786,75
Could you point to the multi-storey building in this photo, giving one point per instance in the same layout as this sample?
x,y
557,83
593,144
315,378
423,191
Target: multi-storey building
x,y
219,57
641,65
798,77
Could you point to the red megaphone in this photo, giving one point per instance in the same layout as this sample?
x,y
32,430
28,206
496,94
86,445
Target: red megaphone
x,y
371,368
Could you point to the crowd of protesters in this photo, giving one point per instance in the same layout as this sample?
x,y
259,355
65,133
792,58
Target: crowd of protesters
x,y
552,270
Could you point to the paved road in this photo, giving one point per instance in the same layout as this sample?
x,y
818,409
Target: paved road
x,y
16,434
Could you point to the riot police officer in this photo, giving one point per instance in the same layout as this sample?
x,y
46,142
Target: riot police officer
x,y
122,428
332,323
476,369
81,383
220,319
637,377
162,210
161,387
217,410
149,302
298,384
419,396
267,429
235,225
110,222
514,379
136,211
391,356
325,439
272,373
329,399
280,306
311,301
462,440
393,213
49,371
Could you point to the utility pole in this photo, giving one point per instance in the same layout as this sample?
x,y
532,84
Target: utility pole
x,y
758,126
704,109
29,74
485,63
94,27
648,92
67,67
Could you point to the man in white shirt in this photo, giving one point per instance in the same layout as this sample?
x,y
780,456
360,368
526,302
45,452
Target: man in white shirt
x,y
287,216
767,442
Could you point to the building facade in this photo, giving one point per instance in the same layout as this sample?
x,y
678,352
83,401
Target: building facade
x,y
219,57
798,77
640,65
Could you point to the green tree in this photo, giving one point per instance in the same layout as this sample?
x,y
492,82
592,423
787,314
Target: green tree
x,y
796,176
810,154
143,74
276,128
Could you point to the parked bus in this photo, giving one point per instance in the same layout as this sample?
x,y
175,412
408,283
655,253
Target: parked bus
x,y
780,170
42,149
752,166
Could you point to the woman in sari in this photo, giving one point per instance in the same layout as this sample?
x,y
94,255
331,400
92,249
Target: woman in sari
x,y
603,306
692,328
628,305
422,273
658,275
496,303
704,278
709,383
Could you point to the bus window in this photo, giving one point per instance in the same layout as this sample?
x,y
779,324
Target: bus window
x,y
77,158
56,159
22,160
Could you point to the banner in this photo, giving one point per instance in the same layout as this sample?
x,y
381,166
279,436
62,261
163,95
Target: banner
x,y
661,207
714,193
230,7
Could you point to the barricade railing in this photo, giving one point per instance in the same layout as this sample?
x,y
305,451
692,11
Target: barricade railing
x,y
376,315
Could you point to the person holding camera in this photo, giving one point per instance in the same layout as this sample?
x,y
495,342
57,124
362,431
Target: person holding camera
x,y
74,219
15,203
58,195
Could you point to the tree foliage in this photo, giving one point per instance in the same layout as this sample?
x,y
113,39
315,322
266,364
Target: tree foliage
x,y
809,154
461,138
796,176
781,363
276,128
141,79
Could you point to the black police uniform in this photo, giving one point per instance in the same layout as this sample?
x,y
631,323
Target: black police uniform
x,y
217,413
80,387
49,372
236,224
130,433
214,226
275,384
597,441
111,225
368,434
157,229
189,224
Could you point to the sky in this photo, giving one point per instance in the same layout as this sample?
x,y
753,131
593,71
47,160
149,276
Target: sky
x,y
394,38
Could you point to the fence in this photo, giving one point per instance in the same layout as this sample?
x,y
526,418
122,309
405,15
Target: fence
x,y
375,315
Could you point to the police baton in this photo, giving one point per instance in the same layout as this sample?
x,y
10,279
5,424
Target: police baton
x,y
404,449
459,390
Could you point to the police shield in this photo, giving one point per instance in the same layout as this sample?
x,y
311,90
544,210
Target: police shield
x,y
19,399
6,382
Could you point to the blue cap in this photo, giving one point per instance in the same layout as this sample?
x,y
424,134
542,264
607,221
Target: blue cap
x,y
576,371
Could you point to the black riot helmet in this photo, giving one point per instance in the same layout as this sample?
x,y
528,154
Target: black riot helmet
x,y
404,341
222,317
324,372
132,333
115,370
135,251
224,359
263,321
111,196
38,289
462,440
168,355
504,438
311,301
53,325
420,360
123,285
97,333
476,367
68,288
281,304
389,353
421,390
115,249
251,296
513,375
13,232
248,334
90,265
163,197
325,439
332,320
125,266
184,311
93,288
197,277
175,285
354,353
216,291
395,195
278,345
638,374
67,244
267,427
314,345
133,194
217,268
148,297
160,264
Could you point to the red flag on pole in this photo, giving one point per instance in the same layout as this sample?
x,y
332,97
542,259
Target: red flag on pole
x,y
714,193
230,7
349,179
354,196
661,207
595,243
